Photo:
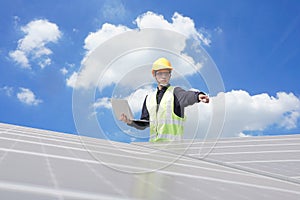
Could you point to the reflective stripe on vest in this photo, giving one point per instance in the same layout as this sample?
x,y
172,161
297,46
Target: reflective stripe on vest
x,y
165,125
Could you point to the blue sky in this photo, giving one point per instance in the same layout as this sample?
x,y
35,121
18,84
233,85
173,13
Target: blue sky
x,y
254,45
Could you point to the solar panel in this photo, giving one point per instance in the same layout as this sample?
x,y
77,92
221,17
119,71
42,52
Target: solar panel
x,y
41,164
274,156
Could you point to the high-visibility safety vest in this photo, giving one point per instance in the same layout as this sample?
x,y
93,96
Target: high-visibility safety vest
x,y
165,125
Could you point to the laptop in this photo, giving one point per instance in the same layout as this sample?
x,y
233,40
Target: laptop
x,y
121,106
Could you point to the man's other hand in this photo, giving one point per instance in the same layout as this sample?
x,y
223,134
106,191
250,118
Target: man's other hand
x,y
125,119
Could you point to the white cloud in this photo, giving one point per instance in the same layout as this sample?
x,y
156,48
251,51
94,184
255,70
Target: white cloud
x,y
68,66
107,31
247,113
181,24
243,112
244,135
94,64
64,71
45,62
26,96
7,90
20,57
32,47
72,80
102,103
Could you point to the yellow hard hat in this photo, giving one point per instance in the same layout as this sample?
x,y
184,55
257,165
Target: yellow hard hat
x,y
161,63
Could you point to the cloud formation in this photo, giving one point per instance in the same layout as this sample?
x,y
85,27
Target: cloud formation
x,y
107,31
92,63
26,96
102,103
181,24
32,47
244,113
247,113
7,90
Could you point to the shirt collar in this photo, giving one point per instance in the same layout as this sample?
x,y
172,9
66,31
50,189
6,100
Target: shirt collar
x,y
164,87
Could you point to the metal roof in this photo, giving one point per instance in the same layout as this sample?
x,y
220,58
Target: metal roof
x,y
41,164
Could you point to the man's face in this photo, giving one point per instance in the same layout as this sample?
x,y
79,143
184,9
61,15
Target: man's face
x,y
163,76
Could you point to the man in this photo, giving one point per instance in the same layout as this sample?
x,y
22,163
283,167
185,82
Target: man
x,y
165,108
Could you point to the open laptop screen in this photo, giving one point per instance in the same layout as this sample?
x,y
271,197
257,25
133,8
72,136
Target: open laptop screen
x,y
121,106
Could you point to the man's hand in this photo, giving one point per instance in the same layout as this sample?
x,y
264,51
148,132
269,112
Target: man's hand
x,y
125,119
203,98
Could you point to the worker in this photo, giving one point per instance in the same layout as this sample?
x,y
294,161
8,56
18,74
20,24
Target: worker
x,y
164,108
